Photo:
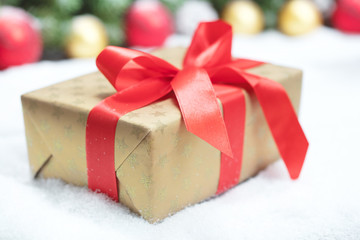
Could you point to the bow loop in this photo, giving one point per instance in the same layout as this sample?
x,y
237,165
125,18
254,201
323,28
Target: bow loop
x,y
112,59
211,45
124,67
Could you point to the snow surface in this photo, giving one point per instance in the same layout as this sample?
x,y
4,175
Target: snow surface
x,y
323,204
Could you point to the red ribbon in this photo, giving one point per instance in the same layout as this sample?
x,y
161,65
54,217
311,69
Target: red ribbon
x,y
140,79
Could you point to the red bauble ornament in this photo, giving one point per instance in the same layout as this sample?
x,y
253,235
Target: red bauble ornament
x,y
346,16
147,24
20,39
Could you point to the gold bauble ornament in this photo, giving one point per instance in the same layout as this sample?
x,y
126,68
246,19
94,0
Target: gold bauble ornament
x,y
244,17
299,17
86,38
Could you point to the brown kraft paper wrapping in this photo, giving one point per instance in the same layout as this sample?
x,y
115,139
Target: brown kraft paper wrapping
x,y
160,166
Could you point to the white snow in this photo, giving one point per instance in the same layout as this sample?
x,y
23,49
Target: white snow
x,y
323,204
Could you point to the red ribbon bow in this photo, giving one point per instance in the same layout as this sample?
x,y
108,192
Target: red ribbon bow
x,y
140,79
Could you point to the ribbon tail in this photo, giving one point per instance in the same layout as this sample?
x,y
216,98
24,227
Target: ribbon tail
x,y
101,130
200,109
282,120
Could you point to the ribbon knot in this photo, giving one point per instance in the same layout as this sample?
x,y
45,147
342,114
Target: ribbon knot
x,y
141,79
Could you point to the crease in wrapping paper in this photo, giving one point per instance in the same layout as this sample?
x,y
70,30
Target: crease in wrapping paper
x,y
160,167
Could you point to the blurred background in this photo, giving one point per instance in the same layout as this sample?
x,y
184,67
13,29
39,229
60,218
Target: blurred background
x,y
31,30
321,37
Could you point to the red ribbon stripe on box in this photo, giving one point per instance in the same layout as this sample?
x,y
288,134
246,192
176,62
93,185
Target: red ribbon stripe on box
x,y
141,79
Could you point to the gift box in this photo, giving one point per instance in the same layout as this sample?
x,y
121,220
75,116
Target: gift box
x,y
160,167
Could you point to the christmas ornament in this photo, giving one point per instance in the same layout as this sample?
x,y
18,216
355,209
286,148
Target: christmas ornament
x,y
147,23
191,13
87,37
20,37
346,16
244,17
299,17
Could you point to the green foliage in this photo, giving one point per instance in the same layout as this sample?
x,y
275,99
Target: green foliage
x,y
219,4
108,10
270,9
172,5
54,30
67,7
10,2
115,33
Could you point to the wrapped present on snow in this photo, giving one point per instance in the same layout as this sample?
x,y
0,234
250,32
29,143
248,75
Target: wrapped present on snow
x,y
158,132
